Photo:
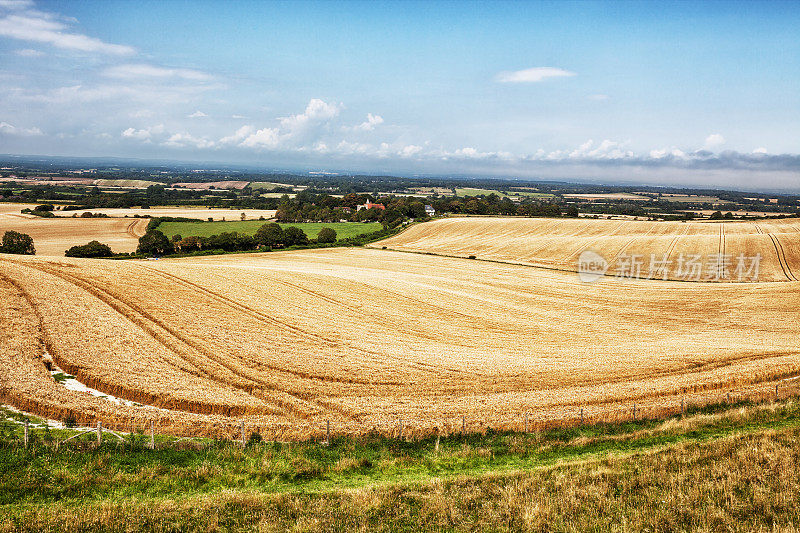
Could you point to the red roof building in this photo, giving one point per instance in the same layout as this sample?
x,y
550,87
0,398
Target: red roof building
x,y
370,205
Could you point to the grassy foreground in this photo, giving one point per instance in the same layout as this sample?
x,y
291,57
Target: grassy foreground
x,y
249,227
719,469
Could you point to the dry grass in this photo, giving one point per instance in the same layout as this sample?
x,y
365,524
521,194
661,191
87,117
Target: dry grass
x,y
558,243
369,338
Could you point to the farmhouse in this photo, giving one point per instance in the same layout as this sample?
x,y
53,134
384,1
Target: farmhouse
x,y
429,210
370,205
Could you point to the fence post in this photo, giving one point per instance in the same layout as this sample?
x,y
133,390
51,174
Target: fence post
x,y
683,408
729,397
152,435
463,425
26,434
526,421
327,432
99,433
776,391
243,441
634,412
401,429
581,415
436,448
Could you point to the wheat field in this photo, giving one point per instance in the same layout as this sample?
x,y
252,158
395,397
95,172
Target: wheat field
x,y
372,339
53,236
558,244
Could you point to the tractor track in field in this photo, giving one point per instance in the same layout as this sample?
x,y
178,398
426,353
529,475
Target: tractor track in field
x,y
172,340
779,252
119,390
674,242
575,253
628,244
782,257
264,318
130,229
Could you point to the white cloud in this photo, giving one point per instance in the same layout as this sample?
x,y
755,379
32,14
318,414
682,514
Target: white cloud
x,y
532,75
10,129
607,149
714,140
29,52
664,152
598,97
263,138
186,140
316,111
16,4
27,24
369,124
144,134
410,150
238,117
143,70
241,134
197,114
760,150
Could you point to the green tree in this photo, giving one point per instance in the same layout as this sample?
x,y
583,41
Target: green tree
x,y
293,236
326,235
269,235
154,243
92,249
17,243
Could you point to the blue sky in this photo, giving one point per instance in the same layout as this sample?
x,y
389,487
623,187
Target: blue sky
x,y
696,93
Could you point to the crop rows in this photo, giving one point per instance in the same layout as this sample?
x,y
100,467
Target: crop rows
x,y
659,247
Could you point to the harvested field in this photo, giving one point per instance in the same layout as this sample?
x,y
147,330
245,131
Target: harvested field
x,y
200,213
661,249
205,185
127,184
53,236
366,338
610,196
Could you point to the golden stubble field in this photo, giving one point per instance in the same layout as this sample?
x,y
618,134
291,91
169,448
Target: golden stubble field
x,y
53,236
661,250
368,338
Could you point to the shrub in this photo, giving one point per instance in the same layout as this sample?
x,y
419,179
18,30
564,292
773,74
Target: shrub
x,y
269,235
92,249
189,244
154,243
326,235
293,236
17,243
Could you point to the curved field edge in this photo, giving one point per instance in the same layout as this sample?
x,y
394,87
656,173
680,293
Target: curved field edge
x,y
735,470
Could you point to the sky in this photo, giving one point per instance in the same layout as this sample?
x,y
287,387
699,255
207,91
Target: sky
x,y
684,93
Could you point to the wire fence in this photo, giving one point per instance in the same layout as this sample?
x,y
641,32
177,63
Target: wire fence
x,y
413,428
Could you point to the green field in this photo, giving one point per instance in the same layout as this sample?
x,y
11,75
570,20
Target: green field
x,y
249,227
468,191
266,185
722,468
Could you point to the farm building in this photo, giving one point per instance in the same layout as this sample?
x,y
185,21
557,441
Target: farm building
x,y
370,205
